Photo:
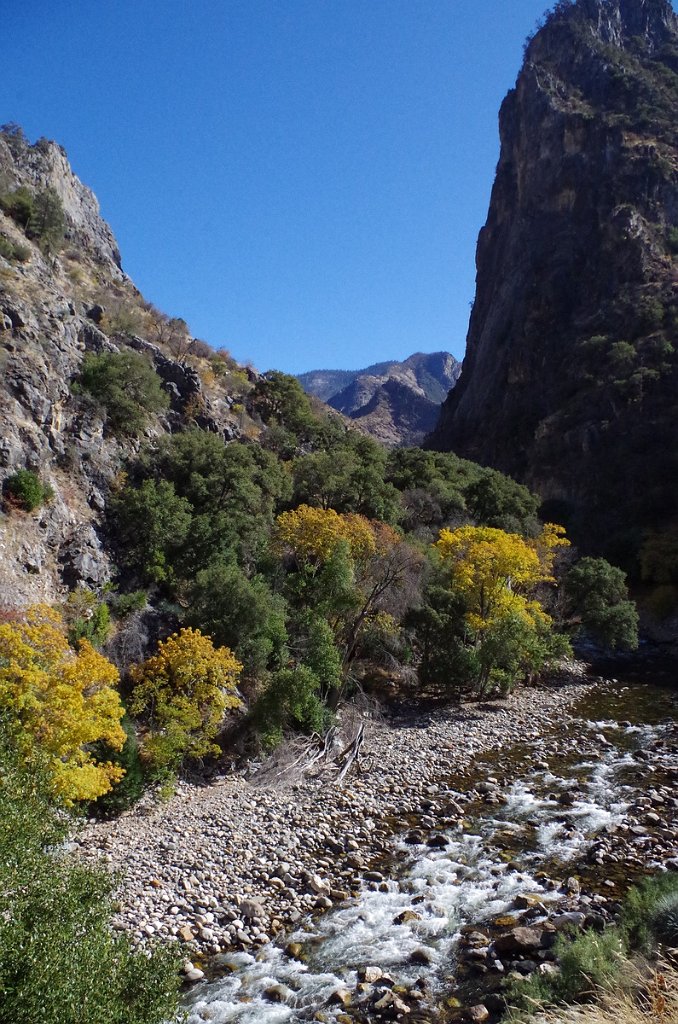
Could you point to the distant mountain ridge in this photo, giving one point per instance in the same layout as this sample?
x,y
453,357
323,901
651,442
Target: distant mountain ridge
x,y
396,401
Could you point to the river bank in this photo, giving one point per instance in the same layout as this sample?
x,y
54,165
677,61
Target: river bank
x,y
230,866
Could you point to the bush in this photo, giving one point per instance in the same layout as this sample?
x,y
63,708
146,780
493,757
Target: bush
x,y
642,918
26,490
291,700
587,962
183,693
60,961
19,205
129,789
664,920
40,214
127,386
87,618
13,251
596,592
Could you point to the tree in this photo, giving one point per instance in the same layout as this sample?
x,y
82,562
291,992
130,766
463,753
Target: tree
x,y
496,574
497,500
292,699
47,223
596,593
151,524
312,535
278,398
127,386
60,960
346,568
231,491
348,477
242,614
182,693
61,701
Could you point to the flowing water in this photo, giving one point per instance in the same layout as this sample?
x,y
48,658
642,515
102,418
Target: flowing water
x,y
556,795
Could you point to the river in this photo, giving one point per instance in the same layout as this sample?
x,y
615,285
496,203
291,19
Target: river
x,y
538,832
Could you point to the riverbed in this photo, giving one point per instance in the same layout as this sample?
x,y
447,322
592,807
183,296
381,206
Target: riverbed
x,y
550,825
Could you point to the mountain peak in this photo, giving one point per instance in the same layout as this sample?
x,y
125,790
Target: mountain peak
x,y
618,22
396,402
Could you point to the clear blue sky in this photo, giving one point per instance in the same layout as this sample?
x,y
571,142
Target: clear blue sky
x,y
302,180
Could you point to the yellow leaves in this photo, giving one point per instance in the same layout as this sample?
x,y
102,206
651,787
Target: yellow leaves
x,y
314,534
496,571
62,701
547,543
184,691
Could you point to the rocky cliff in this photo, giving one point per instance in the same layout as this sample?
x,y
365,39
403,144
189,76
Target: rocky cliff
x,y
55,308
396,402
571,373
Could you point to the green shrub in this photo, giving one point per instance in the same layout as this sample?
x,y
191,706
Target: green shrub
x,y
60,961
13,250
19,205
587,962
596,591
130,788
639,919
127,386
664,920
25,489
123,605
40,214
291,700
672,239
86,617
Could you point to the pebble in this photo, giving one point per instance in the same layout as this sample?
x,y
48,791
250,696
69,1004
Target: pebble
x,y
218,865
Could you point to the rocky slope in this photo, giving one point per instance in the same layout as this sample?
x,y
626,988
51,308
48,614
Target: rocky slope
x,y
396,402
571,371
53,310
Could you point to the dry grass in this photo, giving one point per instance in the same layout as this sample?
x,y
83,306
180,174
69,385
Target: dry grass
x,y
643,998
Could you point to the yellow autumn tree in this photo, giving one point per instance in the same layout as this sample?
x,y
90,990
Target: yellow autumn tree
x,y
313,534
182,694
61,701
497,575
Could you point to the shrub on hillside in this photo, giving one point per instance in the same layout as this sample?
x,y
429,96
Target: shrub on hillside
x,y
40,214
25,489
127,386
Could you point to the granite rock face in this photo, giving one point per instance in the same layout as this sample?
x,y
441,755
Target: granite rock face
x,y
571,372
53,311
395,402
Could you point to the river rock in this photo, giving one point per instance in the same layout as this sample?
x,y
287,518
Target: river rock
x,y
478,1014
340,997
370,975
393,1002
519,940
278,993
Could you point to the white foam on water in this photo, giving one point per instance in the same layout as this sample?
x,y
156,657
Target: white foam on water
x,y
466,882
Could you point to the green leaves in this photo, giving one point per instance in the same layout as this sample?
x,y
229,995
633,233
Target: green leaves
x,y
596,591
127,386
60,962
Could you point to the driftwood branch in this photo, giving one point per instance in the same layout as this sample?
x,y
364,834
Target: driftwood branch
x,y
327,758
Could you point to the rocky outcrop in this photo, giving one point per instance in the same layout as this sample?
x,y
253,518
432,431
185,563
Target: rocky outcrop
x,y
53,311
396,402
45,165
571,370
